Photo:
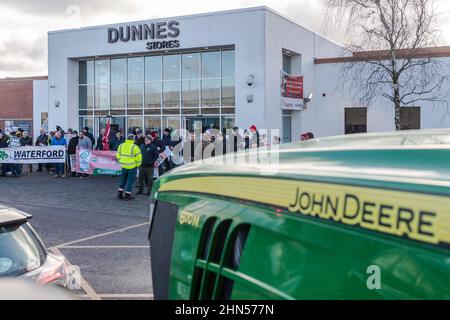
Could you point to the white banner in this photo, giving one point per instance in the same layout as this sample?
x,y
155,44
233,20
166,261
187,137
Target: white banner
x,y
32,155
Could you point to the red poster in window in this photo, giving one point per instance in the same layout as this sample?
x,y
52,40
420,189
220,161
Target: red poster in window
x,y
292,93
293,87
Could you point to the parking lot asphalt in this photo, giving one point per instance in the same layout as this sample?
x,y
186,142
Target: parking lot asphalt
x,y
82,218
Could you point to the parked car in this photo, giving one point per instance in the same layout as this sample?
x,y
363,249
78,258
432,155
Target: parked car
x,y
22,253
356,217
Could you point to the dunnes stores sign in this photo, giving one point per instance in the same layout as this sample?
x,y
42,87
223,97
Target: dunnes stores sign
x,y
160,35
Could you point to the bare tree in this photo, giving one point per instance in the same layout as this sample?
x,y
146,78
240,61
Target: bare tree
x,y
391,56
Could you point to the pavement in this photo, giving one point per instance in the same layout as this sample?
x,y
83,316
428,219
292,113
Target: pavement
x,y
105,237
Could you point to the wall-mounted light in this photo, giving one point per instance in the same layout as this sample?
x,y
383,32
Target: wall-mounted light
x,y
308,99
57,104
52,86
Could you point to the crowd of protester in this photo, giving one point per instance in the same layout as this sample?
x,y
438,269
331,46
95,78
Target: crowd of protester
x,y
210,143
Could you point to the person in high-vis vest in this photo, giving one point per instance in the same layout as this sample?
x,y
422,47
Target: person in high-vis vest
x,y
130,158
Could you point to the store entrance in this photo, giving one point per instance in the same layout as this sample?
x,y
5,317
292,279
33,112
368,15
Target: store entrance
x,y
201,123
117,124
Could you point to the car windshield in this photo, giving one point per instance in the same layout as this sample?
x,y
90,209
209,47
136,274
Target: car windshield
x,y
20,251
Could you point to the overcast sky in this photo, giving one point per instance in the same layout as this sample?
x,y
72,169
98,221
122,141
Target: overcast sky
x,y
24,23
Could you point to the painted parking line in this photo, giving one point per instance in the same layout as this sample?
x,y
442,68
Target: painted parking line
x,y
90,293
101,235
104,247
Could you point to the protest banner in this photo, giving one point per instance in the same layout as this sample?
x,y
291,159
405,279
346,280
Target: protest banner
x,y
96,163
31,155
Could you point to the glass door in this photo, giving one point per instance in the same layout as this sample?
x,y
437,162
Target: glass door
x,y
117,124
287,127
201,123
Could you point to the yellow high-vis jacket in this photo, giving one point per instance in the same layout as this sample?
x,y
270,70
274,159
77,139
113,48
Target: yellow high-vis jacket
x,y
129,155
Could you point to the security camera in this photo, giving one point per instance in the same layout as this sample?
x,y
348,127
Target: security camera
x,y
250,80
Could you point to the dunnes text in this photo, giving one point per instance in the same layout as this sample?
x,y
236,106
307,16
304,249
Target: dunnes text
x,y
147,31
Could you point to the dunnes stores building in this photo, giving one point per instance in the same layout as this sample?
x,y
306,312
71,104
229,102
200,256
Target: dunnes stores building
x,y
216,70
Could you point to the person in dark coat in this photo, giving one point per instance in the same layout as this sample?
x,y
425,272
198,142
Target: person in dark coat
x,y
99,145
192,140
116,141
140,139
25,140
42,141
150,153
72,150
236,138
167,141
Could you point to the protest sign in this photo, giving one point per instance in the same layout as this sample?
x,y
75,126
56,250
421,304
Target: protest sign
x,y
94,162
14,142
33,155
73,162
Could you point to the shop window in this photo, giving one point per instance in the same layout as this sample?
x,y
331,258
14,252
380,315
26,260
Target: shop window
x,y
153,67
191,66
118,96
152,124
171,95
164,86
86,72
228,122
135,95
102,97
355,120
228,93
211,93
190,93
173,123
102,71
136,69
133,124
153,92
86,97
118,70
287,64
171,67
211,64
410,118
86,122
228,64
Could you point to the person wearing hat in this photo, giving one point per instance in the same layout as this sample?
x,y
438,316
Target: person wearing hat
x,y
255,135
130,158
140,139
167,141
150,153
59,140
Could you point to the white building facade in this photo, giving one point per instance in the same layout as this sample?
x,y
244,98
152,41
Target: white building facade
x,y
216,70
